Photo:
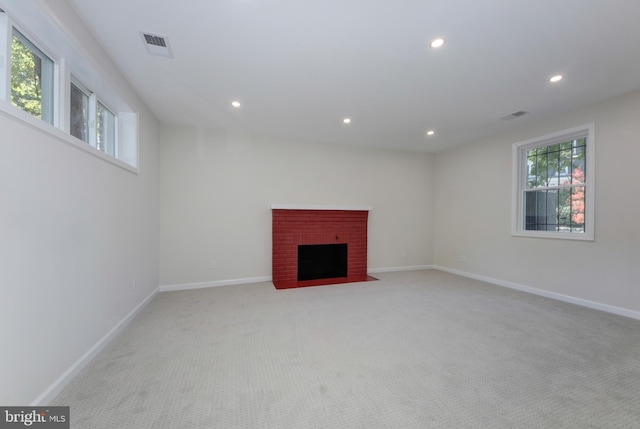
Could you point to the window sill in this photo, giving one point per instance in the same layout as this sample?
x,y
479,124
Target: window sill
x,y
553,235
25,118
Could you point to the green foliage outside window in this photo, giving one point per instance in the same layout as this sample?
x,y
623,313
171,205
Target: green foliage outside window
x,y
26,78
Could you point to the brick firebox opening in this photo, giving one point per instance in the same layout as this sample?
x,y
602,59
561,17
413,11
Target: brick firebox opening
x,y
295,226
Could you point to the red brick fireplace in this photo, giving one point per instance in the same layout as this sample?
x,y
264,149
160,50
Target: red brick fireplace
x,y
297,227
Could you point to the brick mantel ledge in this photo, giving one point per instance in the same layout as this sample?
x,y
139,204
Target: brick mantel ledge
x,y
315,207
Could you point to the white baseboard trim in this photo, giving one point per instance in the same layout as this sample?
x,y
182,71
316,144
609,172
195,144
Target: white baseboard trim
x,y
202,285
396,269
553,295
56,387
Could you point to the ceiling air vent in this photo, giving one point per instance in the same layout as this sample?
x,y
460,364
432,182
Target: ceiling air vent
x,y
155,40
514,115
157,45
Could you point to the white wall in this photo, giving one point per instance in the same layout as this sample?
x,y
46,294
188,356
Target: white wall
x,y
473,212
75,232
217,188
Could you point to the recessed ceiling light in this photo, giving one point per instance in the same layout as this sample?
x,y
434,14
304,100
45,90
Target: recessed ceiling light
x,y
235,103
556,78
430,132
437,42
347,121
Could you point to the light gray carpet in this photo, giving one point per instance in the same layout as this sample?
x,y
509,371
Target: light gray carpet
x,y
421,349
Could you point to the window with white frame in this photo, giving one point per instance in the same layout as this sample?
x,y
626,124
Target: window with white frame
x,y
31,78
553,185
91,121
43,74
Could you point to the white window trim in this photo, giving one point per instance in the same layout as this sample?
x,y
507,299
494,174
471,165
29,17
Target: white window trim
x,y
519,179
6,33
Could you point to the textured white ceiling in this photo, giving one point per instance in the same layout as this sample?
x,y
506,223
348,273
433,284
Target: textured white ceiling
x,y
299,67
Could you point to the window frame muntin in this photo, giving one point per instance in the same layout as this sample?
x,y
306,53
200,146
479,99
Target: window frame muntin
x,y
519,180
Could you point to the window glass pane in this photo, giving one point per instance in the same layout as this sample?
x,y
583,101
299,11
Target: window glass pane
x,y
79,114
106,130
578,161
541,210
577,201
564,209
553,149
31,79
538,172
577,174
552,168
531,170
564,176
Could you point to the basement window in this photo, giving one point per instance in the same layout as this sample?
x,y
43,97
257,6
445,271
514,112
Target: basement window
x,y
91,121
553,185
49,85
